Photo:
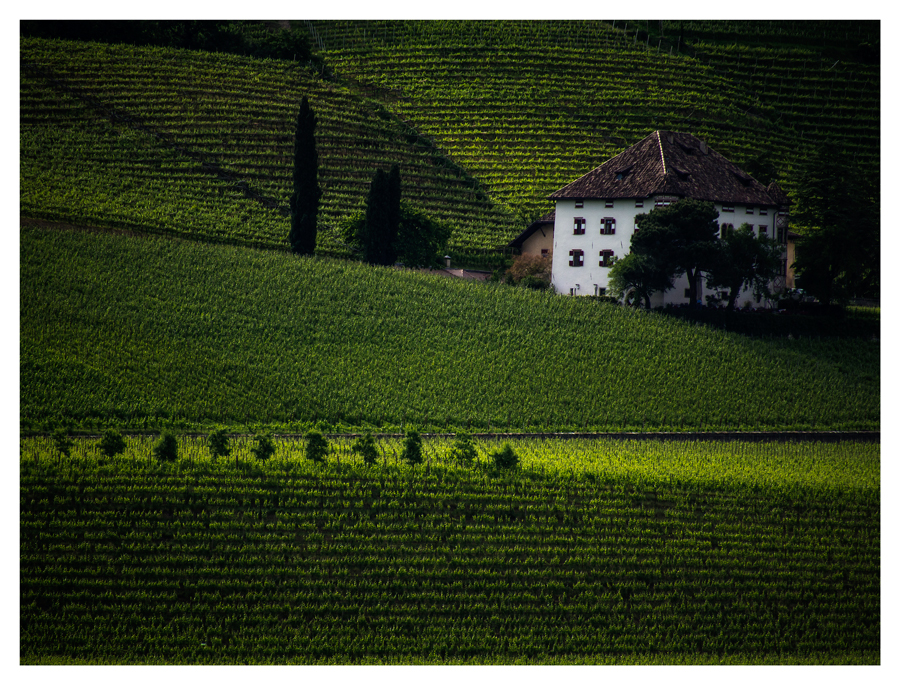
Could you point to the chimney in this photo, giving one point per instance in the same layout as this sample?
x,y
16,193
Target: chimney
x,y
703,148
447,260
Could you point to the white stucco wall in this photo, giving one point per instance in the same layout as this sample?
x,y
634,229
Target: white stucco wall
x,y
593,279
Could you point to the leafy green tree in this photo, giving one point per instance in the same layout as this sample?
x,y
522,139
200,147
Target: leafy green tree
x,y
681,239
264,447
365,446
166,447
505,457
412,448
306,195
836,213
640,275
219,445
743,260
316,446
463,450
112,443
420,241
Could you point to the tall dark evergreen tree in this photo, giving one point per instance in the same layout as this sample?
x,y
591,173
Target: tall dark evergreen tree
x,y
375,227
393,227
306,195
379,236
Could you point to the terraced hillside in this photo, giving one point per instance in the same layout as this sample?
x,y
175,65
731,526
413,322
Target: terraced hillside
x,y
200,145
529,106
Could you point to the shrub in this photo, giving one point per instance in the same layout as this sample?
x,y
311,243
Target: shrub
x,y
112,443
166,447
219,444
264,447
534,268
412,448
463,450
534,282
316,446
365,446
62,443
505,457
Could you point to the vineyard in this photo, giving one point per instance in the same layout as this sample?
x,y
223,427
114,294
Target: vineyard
x,y
529,106
201,145
591,552
147,332
486,119
158,298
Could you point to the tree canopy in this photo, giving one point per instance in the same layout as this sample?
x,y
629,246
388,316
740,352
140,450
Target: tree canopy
x,y
744,260
670,241
837,216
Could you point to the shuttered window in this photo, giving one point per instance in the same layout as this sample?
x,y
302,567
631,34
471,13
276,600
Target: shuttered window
x,y
580,224
576,257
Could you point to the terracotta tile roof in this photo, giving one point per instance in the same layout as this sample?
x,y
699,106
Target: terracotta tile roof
x,y
670,163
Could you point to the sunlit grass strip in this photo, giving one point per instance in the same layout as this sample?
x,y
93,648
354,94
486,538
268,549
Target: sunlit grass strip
x,y
131,560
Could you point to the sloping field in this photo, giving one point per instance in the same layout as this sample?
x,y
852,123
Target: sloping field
x,y
201,145
145,332
529,106
594,552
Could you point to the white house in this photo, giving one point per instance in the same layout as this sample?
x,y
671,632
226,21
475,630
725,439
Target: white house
x,y
595,215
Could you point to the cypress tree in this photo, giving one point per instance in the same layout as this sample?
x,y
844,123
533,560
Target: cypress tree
x,y
393,210
376,226
379,235
305,199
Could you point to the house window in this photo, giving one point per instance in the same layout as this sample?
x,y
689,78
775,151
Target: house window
x,y
599,291
579,225
579,204
576,257
608,226
749,209
725,229
781,234
727,208
763,230
609,203
763,211
606,257
545,252
638,203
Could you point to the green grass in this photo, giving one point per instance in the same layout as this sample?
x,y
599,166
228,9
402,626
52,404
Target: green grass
x,y
146,332
594,552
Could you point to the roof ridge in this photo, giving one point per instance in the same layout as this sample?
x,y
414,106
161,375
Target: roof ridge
x,y
662,154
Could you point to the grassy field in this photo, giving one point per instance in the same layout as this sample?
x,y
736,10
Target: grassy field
x,y
593,552
181,309
146,332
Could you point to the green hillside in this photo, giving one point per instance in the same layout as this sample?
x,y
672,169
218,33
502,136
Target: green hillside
x,y
200,144
486,119
149,331
529,106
